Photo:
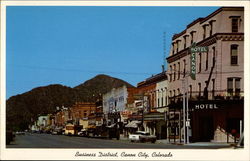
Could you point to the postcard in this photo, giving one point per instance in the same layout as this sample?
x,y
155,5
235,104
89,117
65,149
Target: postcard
x,y
124,80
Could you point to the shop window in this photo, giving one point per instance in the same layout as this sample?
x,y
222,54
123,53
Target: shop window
x,y
234,54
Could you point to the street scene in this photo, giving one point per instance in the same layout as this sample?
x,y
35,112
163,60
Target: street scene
x,y
60,141
195,100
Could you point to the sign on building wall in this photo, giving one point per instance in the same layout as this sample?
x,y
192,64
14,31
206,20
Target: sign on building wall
x,y
193,50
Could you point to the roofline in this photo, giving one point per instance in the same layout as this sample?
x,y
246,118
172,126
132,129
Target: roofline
x,y
202,20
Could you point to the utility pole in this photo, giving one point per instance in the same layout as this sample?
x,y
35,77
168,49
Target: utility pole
x,y
187,115
184,112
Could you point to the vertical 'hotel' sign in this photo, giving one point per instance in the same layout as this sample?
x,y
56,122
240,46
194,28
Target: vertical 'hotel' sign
x,y
193,50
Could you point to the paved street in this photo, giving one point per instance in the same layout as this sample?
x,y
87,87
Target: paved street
x,y
60,141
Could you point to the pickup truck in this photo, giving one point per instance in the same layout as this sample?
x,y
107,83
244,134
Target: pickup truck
x,y
142,136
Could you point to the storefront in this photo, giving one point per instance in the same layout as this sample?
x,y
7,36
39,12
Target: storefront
x,y
156,124
217,120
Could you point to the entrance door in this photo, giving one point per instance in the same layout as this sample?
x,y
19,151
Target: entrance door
x,y
206,128
163,132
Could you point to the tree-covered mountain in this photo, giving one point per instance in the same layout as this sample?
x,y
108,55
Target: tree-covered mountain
x,y
95,87
23,108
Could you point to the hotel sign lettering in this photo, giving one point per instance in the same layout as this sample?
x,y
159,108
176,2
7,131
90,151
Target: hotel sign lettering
x,y
193,50
206,106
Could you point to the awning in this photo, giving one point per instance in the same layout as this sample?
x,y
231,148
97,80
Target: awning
x,y
133,124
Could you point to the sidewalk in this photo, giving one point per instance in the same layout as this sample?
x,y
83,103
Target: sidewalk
x,y
197,144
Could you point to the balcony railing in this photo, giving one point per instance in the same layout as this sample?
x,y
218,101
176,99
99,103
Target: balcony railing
x,y
212,95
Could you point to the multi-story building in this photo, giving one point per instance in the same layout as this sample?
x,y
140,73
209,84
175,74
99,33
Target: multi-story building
x,y
114,103
81,112
149,101
216,94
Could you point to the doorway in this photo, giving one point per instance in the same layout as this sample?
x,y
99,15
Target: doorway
x,y
206,131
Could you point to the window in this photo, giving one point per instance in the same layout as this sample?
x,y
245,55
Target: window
x,y
184,68
230,86
206,61
185,41
237,86
170,73
177,46
211,27
192,36
200,62
199,89
179,70
173,48
174,71
234,54
162,100
204,31
170,95
213,87
234,24
213,56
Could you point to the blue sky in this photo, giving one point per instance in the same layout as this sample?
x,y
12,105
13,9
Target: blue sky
x,y
69,45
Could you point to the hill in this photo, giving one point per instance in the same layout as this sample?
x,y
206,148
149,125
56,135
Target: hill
x,y
22,109
92,89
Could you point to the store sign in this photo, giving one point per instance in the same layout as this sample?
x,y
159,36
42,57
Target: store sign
x,y
193,66
206,106
193,50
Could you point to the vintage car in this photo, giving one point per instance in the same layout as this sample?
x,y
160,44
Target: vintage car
x,y
142,136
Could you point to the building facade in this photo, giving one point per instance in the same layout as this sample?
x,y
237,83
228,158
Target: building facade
x,y
114,103
215,96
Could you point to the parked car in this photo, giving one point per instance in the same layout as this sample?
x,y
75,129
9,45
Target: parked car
x,y
142,136
83,132
54,132
20,133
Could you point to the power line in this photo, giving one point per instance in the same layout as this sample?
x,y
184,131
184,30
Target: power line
x,y
79,70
